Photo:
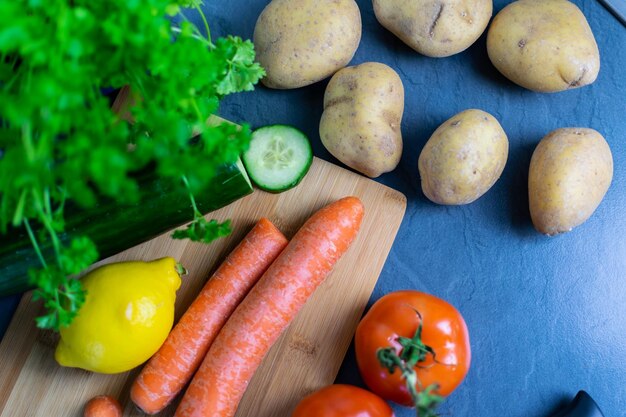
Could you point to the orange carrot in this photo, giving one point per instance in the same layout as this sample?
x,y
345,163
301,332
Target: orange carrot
x,y
238,350
103,406
169,370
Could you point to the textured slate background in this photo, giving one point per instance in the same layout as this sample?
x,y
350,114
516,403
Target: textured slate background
x,y
547,316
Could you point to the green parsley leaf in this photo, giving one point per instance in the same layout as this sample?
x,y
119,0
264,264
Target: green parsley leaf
x,y
77,257
202,230
61,296
242,72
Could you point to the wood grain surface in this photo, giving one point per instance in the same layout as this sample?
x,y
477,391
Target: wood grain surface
x,y
306,357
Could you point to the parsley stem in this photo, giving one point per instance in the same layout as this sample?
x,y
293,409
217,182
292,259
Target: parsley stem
x,y
31,235
206,24
46,201
196,212
27,141
19,210
196,32
201,118
63,198
46,220
197,35
57,300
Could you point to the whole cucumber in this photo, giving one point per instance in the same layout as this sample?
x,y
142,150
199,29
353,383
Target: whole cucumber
x,y
163,205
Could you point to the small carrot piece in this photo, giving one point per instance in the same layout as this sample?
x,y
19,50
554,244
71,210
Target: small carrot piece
x,y
169,370
247,336
103,406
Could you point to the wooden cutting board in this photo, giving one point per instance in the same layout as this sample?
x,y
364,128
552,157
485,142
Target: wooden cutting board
x,y
305,358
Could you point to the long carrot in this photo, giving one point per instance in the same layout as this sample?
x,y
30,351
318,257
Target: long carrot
x,y
236,353
169,370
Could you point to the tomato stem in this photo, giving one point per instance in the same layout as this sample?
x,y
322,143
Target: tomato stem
x,y
414,351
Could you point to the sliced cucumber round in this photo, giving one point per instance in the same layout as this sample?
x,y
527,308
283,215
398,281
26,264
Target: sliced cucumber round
x,y
278,158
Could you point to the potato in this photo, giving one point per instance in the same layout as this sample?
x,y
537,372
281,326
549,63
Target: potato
x,y
360,126
435,28
544,45
300,42
570,172
463,158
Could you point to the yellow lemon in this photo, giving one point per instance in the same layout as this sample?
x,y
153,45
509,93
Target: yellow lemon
x,y
128,313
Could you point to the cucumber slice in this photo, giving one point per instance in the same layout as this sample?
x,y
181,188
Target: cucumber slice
x,y
278,158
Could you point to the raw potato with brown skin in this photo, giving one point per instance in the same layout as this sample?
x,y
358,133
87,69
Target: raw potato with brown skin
x,y
435,28
300,42
463,158
360,126
570,172
544,45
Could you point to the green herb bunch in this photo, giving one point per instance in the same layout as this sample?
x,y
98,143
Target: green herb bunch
x,y
60,141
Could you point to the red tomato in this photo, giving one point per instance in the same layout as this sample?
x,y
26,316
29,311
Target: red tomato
x,y
342,401
393,322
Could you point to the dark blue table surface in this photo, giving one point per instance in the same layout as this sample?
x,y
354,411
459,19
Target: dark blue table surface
x,y
547,316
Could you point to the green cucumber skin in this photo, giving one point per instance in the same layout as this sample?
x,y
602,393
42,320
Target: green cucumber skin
x,y
287,187
163,205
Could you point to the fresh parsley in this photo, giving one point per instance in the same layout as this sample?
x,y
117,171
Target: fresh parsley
x,y
59,140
